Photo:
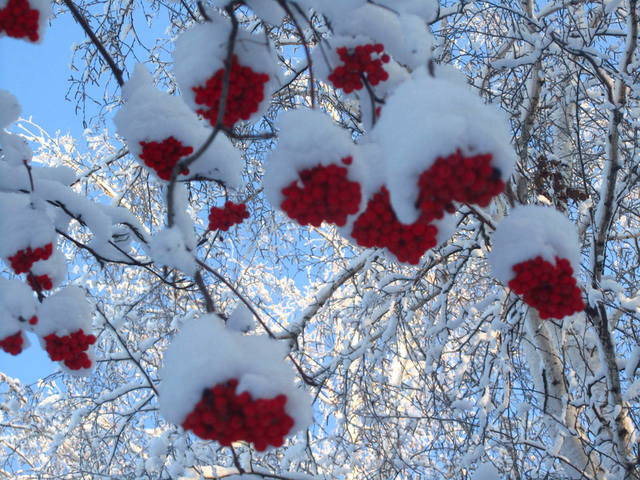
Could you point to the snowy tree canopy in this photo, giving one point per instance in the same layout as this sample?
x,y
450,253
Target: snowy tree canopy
x,y
326,239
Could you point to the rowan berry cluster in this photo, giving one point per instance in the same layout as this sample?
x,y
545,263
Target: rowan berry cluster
x,y
23,260
226,217
364,62
224,416
12,344
163,156
378,226
551,289
70,349
19,20
326,195
246,92
460,179
39,282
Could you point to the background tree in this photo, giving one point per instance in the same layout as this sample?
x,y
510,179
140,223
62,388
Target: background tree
x,y
429,371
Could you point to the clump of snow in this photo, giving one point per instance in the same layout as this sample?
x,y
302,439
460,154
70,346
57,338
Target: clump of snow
x,y
54,267
150,115
205,353
267,10
241,319
202,50
21,225
531,231
307,138
14,150
168,247
63,313
17,306
486,471
427,118
9,108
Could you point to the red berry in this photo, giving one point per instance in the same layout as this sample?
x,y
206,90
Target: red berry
x,y
378,226
70,349
246,92
326,195
163,156
460,179
224,218
361,62
18,20
551,289
23,260
39,282
12,344
224,416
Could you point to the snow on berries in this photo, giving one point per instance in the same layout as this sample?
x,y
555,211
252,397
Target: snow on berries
x,y
226,416
378,226
229,387
224,218
24,19
17,313
163,156
364,63
548,287
461,153
312,175
244,95
536,253
161,130
200,59
64,324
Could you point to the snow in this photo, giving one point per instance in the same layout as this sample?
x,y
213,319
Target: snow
x,y
14,149
449,117
169,248
64,312
150,115
54,267
405,37
9,108
202,50
205,353
241,320
531,231
267,10
21,225
485,471
17,306
307,138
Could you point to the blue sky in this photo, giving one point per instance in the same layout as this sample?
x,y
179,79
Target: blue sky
x,y
37,75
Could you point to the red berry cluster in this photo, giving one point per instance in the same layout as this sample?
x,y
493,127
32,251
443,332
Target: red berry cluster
x,y
224,416
246,91
71,349
12,344
460,179
551,289
39,282
378,226
362,62
23,260
19,20
226,217
163,156
326,195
